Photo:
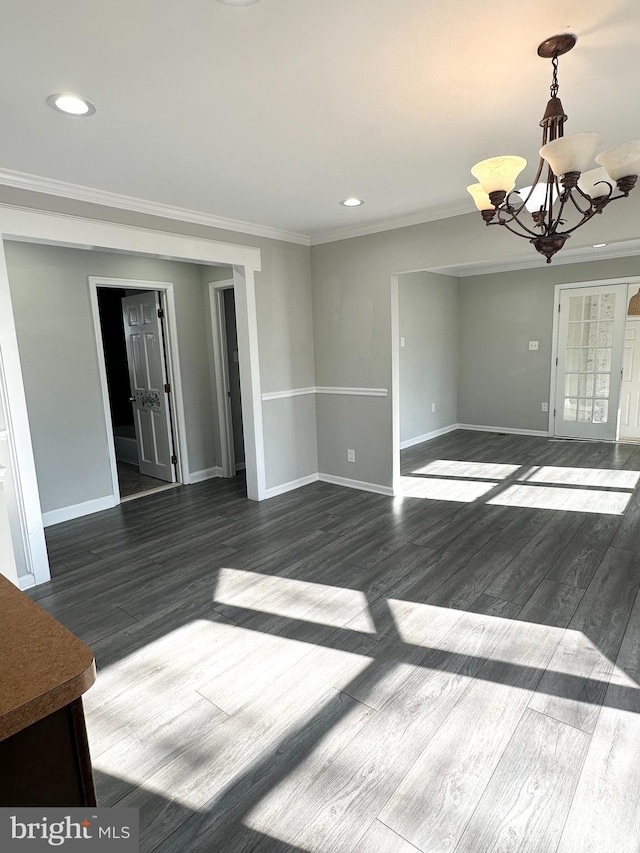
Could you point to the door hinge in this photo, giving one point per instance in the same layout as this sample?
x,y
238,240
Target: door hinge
x,y
558,307
556,361
167,388
161,313
229,394
554,413
174,459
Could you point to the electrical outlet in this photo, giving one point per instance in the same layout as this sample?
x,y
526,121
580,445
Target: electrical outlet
x,y
544,407
533,345
402,343
351,456
433,407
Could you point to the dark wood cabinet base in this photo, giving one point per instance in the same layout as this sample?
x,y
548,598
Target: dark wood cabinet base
x,y
48,763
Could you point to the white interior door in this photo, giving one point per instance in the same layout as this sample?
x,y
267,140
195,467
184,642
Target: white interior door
x,y
590,337
147,376
630,392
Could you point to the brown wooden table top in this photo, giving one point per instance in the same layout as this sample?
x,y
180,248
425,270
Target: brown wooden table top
x,y
43,666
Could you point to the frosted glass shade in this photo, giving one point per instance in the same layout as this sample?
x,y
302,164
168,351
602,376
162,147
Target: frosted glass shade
x,y
537,199
498,173
571,153
622,161
481,199
595,182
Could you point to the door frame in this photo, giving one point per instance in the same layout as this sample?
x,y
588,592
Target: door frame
x,y
221,371
36,226
553,382
174,375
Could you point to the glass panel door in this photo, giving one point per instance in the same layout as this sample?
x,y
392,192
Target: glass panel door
x,y
590,339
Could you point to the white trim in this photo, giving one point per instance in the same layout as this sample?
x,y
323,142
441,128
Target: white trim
x,y
410,442
68,513
221,373
291,392
56,229
174,374
4,435
584,254
206,474
356,484
326,389
249,364
50,186
444,211
23,467
510,430
394,314
352,392
26,582
274,491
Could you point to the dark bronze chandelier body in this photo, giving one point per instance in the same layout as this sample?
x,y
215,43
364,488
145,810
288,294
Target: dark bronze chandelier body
x,y
559,200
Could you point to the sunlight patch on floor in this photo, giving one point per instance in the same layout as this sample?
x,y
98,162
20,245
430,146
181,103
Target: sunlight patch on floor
x,y
567,500
457,468
294,599
606,478
434,489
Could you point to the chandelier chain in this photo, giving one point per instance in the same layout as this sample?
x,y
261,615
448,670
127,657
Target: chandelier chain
x,y
554,83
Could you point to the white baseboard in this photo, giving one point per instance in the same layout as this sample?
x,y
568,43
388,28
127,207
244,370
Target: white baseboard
x,y
205,474
26,581
356,484
409,442
273,491
510,430
67,513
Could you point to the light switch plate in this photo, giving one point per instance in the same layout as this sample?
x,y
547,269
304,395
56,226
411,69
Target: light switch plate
x,y
533,344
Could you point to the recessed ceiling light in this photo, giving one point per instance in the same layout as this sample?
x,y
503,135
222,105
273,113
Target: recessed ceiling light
x,y
71,105
239,2
599,245
352,202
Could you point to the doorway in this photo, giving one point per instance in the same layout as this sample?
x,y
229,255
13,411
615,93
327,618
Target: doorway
x,y
134,354
134,357
596,361
227,374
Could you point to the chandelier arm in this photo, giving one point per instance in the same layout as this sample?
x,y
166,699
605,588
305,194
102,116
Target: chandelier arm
x,y
514,218
574,202
585,218
557,220
553,188
535,181
506,225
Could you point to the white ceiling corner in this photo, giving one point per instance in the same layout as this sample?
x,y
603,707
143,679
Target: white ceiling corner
x,y
261,119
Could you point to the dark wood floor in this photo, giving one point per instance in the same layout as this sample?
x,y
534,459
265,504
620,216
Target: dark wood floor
x,y
339,671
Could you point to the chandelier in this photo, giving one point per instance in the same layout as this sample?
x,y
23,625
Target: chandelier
x,y
563,195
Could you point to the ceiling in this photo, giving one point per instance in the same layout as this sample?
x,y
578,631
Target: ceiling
x,y
272,113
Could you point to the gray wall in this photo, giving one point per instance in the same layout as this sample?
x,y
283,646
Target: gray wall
x,y
502,383
428,321
52,312
285,331
342,326
352,325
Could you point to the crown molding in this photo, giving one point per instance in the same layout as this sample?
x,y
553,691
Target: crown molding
x,y
50,186
622,249
446,211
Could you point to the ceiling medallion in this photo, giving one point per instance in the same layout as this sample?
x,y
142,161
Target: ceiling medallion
x,y
563,196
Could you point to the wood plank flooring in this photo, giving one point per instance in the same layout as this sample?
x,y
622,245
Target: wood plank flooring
x,y
333,670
